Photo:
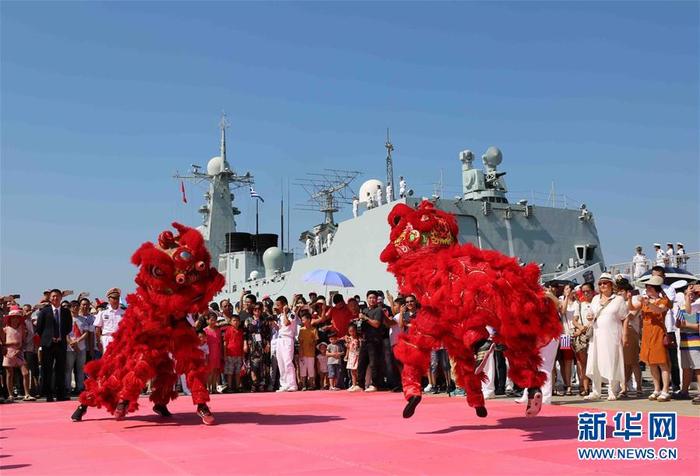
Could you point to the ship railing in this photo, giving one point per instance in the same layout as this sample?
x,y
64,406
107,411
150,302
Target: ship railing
x,y
540,199
690,262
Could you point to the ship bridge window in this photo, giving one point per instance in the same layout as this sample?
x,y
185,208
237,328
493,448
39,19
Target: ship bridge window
x,y
584,253
236,263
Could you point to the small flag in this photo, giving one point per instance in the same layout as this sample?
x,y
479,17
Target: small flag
x,y
254,194
182,189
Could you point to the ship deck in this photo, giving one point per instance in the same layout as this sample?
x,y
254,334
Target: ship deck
x,y
323,432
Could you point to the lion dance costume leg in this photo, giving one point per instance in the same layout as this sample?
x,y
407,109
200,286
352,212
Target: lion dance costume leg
x,y
462,290
155,342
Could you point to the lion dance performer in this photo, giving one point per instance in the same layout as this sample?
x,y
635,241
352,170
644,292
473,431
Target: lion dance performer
x,y
155,342
462,290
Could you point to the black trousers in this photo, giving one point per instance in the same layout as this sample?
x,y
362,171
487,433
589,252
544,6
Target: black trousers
x,y
501,372
674,368
53,367
371,353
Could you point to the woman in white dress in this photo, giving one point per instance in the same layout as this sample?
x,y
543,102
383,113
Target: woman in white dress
x,y
605,355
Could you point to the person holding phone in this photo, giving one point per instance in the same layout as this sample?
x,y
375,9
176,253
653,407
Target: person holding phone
x,y
285,345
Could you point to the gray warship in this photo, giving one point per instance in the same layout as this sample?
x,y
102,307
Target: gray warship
x,y
563,242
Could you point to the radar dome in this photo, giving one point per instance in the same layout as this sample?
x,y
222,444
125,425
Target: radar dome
x,y
273,260
254,275
493,157
215,166
370,187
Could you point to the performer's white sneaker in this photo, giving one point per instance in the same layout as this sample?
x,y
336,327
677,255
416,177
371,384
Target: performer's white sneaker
x,y
591,397
534,402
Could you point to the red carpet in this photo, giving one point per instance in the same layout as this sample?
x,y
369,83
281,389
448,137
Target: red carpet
x,y
317,432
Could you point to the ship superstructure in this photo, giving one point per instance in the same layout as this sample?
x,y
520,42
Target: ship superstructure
x,y
563,242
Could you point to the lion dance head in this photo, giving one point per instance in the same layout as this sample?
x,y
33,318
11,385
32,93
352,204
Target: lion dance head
x,y
175,274
417,229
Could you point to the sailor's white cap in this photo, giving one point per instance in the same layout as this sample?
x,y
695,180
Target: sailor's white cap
x,y
680,244
657,245
668,243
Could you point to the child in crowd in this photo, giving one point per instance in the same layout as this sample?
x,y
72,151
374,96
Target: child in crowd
x,y
322,364
213,335
308,336
15,338
334,354
236,347
203,346
352,356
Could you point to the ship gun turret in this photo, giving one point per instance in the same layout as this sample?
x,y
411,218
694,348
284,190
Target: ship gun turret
x,y
487,184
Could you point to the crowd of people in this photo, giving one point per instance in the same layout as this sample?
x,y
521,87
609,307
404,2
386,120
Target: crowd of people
x,y
314,343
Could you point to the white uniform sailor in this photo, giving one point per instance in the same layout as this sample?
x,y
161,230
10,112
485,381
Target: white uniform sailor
x,y
660,255
670,255
307,247
355,206
329,239
388,192
402,187
107,321
379,195
317,244
370,201
681,258
640,263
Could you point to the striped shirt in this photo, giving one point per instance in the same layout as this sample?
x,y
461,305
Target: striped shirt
x,y
690,338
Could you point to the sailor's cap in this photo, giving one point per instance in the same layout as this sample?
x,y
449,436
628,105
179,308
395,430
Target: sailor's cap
x,y
668,243
657,245
680,244
114,291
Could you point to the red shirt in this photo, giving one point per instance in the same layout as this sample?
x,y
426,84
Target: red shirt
x,y
234,342
341,317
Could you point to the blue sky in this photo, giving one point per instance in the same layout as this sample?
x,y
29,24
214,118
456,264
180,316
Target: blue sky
x,y
102,103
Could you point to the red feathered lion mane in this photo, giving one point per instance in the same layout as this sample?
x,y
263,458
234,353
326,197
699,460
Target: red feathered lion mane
x,y
463,291
176,272
154,341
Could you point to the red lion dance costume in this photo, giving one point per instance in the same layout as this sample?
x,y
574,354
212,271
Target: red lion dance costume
x,y
155,342
463,289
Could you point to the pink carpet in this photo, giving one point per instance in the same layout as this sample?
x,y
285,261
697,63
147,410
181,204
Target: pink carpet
x,y
314,433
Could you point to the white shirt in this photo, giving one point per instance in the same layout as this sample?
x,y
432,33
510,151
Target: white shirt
x,y
289,331
660,258
395,331
402,187
567,318
640,265
670,319
109,319
388,193
379,196
84,325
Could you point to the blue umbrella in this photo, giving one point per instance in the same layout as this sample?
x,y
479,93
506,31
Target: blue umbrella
x,y
326,277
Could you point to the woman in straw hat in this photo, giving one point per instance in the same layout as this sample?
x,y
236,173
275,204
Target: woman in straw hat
x,y
654,307
605,357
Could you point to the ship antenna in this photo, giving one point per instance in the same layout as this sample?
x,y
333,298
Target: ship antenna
x,y
389,164
223,124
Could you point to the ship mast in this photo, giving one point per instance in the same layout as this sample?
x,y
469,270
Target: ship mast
x,y
389,164
218,213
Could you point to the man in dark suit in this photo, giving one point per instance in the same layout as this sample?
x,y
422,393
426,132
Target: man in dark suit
x,y
54,323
